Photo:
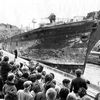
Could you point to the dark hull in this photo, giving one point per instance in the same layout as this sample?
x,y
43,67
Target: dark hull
x,y
54,31
63,45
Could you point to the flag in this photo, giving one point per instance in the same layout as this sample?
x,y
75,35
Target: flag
x,y
94,37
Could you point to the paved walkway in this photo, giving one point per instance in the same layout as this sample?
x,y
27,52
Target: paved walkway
x,y
11,57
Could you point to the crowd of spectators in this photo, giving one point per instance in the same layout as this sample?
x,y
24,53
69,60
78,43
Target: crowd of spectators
x,y
27,82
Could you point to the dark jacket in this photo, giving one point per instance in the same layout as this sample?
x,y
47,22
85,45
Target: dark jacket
x,y
9,91
19,83
78,83
5,68
40,96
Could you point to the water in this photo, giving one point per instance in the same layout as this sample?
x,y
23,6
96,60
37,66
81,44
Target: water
x,y
92,73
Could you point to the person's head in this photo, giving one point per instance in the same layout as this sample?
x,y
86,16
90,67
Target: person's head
x,y
78,72
25,69
63,93
48,77
66,82
48,85
39,68
11,62
71,97
38,76
14,68
33,77
36,88
6,58
53,76
57,88
43,73
25,75
51,94
15,50
97,97
37,64
27,85
82,92
21,65
18,65
10,77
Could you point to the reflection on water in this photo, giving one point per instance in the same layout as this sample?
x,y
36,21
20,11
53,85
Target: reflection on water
x,y
92,73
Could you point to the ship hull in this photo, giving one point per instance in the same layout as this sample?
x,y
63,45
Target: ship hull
x,y
54,31
60,45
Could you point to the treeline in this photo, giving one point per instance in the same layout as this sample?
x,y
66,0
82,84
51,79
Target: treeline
x,y
7,31
93,15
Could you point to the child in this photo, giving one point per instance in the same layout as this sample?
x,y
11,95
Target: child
x,y
9,89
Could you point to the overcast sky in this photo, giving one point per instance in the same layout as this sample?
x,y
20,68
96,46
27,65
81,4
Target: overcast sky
x,y
19,12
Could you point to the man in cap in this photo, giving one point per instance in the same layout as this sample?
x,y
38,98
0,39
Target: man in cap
x,y
25,93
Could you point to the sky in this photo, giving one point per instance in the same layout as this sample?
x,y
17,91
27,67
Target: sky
x,y
21,12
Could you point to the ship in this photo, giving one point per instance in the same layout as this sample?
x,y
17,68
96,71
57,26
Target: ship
x,y
59,45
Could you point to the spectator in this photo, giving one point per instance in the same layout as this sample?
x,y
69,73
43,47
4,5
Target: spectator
x,y
66,83
97,97
48,78
9,89
36,86
25,69
51,94
42,95
16,54
39,68
43,73
21,80
33,78
71,96
63,93
5,68
53,76
25,93
82,92
11,63
83,95
78,82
